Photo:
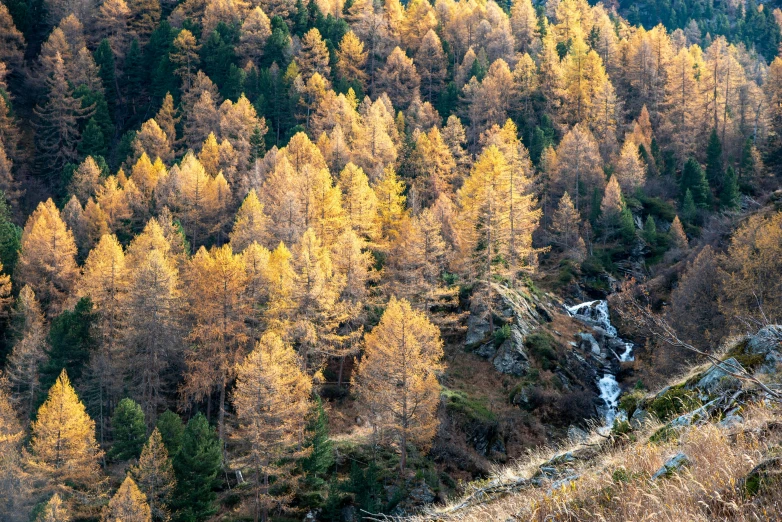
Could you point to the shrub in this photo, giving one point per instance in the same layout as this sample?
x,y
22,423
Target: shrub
x,y
630,402
501,335
471,408
673,402
540,345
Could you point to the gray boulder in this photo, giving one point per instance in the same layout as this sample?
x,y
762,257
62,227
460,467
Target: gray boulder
x,y
716,376
672,465
640,417
577,435
767,342
422,494
487,351
511,356
589,343
692,417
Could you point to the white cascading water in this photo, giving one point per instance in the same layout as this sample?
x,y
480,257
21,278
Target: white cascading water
x,y
596,314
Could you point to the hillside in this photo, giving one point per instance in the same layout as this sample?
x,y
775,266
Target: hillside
x,y
705,448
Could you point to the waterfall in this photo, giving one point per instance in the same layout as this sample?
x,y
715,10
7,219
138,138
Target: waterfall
x,y
595,314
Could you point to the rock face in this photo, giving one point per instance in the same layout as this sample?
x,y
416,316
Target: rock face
x,y
511,358
521,312
767,342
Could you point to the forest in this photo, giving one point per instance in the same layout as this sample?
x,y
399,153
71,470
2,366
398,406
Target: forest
x,y
245,244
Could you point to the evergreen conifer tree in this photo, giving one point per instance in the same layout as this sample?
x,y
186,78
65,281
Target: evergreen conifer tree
x,y
694,180
129,430
196,467
729,194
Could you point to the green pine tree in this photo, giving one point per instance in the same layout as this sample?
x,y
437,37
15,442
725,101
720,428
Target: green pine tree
x,y
257,145
172,430
650,230
92,141
729,195
99,107
714,167
626,224
318,462
135,77
196,467
10,237
689,209
130,430
71,342
104,58
694,180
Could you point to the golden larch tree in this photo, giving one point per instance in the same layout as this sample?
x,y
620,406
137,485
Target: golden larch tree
x,y
154,476
565,222
256,30
86,180
251,224
272,401
316,291
216,290
751,286
579,167
128,504
313,57
151,334
360,201
630,170
47,257
63,445
22,366
397,376
54,511
678,237
496,217
351,58
390,204
15,482
104,281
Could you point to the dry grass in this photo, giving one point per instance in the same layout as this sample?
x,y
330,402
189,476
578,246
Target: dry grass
x,y
616,485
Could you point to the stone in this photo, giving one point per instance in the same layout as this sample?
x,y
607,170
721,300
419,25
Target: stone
x,y
672,465
589,343
478,329
767,342
497,447
487,351
730,421
763,477
692,417
577,435
422,494
562,458
349,514
640,417
511,357
563,483
767,339
716,375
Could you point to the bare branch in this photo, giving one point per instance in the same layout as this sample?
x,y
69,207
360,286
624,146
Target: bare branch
x,y
660,329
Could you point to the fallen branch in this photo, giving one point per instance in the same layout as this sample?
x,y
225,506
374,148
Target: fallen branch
x,y
661,330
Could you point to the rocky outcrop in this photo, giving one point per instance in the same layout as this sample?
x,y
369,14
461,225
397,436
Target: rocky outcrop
x,y
768,343
496,306
510,357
